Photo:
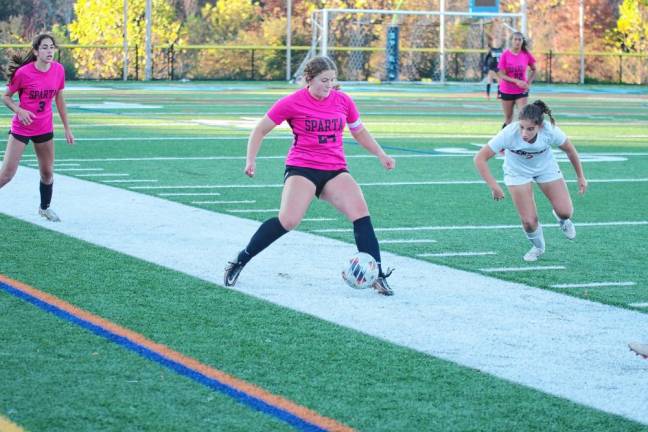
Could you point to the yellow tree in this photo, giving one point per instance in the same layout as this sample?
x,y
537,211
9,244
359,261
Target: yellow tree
x,y
100,23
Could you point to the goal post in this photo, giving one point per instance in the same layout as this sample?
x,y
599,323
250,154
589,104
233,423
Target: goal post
x,y
430,45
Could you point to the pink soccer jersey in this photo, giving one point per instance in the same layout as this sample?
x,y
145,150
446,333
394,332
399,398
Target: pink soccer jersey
x,y
36,90
514,66
318,127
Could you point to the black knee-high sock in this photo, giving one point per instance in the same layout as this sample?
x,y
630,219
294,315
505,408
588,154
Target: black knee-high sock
x,y
365,238
268,232
46,194
488,87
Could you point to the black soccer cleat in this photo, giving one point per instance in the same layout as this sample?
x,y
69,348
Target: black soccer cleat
x,y
381,286
232,272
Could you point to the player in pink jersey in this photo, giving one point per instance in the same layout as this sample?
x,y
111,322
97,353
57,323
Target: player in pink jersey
x,y
316,165
514,84
38,80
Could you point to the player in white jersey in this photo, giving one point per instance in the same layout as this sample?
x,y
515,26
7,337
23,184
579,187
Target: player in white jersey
x,y
528,158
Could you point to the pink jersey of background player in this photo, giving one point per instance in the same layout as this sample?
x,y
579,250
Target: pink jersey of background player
x,y
36,90
318,127
514,66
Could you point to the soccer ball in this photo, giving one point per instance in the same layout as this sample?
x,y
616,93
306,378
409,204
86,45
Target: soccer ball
x,y
360,271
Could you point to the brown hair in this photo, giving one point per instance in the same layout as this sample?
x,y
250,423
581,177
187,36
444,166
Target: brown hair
x,y
524,48
316,66
18,61
535,112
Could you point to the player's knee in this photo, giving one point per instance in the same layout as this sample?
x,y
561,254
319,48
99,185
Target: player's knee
x,y
6,174
530,224
289,222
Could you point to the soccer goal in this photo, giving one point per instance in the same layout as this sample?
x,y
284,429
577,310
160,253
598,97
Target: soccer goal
x,y
400,45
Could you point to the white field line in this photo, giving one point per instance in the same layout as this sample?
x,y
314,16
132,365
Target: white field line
x,y
273,210
224,202
520,269
359,156
593,284
56,165
376,135
639,305
189,194
406,241
318,219
505,329
78,169
131,181
481,227
455,254
104,175
412,183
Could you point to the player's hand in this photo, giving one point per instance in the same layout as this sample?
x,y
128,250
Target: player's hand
x,y
25,117
523,85
69,137
388,162
582,185
498,193
250,168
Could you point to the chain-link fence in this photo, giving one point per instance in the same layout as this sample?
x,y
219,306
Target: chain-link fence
x,y
357,62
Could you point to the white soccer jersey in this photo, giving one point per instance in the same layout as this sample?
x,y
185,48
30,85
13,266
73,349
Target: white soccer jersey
x,y
522,159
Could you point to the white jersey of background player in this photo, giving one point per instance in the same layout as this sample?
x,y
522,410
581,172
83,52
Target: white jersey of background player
x,y
528,158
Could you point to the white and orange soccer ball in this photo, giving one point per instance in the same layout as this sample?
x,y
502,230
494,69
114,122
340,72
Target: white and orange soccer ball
x,y
360,271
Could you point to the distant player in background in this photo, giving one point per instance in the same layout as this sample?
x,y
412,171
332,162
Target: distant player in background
x,y
528,158
38,80
490,69
514,84
316,165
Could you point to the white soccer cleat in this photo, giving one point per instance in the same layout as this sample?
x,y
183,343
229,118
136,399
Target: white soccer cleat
x,y
566,226
533,254
639,349
49,214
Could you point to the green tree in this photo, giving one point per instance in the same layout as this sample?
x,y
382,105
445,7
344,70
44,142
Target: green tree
x,y
100,22
631,31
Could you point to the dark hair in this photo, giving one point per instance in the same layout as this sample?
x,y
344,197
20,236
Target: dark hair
x,y
524,41
317,65
18,61
535,112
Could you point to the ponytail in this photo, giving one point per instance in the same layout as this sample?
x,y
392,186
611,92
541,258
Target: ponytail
x,y
17,61
535,112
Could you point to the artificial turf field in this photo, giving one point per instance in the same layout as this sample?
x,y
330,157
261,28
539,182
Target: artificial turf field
x,y
173,140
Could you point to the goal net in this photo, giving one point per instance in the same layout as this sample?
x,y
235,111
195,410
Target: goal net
x,y
408,45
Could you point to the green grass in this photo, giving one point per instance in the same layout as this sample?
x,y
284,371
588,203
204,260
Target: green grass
x,y
55,376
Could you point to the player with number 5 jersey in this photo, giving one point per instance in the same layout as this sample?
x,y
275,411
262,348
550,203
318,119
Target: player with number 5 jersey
x,y
316,164
38,80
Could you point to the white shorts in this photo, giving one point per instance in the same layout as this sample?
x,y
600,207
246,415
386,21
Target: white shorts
x,y
545,177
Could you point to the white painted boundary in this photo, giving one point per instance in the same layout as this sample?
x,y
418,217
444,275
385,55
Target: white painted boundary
x,y
558,344
520,269
593,284
456,254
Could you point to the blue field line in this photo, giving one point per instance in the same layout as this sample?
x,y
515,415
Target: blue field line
x,y
212,383
402,149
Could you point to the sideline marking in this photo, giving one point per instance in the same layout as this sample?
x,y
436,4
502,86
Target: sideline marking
x,y
592,284
130,181
520,269
480,227
224,202
639,305
252,210
405,241
411,183
189,194
246,393
455,254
